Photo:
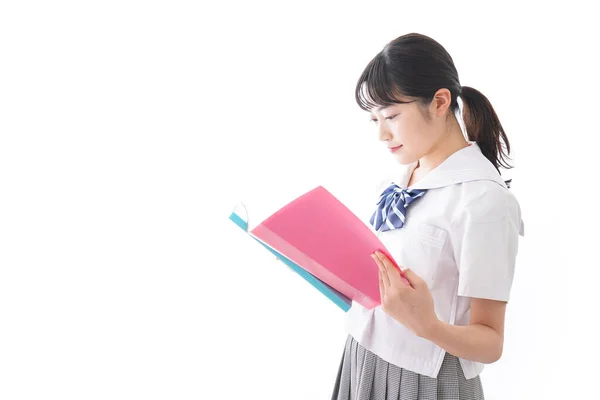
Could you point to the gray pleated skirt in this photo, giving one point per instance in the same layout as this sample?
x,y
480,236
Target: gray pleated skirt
x,y
365,376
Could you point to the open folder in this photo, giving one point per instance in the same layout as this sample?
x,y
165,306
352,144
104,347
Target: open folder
x,y
319,238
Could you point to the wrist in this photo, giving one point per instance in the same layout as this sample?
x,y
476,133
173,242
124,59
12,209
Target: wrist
x,y
432,330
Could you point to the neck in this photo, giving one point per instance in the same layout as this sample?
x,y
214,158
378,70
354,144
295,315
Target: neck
x,y
452,141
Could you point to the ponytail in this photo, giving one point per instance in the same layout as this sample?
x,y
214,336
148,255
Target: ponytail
x,y
484,127
416,66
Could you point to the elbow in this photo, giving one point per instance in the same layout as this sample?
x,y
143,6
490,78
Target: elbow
x,y
494,355
493,358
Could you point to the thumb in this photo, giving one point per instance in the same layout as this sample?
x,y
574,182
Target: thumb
x,y
414,279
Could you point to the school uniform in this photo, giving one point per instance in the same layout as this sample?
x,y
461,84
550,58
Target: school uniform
x,y
461,236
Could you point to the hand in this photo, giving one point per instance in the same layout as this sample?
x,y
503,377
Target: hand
x,y
406,298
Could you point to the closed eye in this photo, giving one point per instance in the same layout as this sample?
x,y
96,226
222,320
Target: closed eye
x,y
389,118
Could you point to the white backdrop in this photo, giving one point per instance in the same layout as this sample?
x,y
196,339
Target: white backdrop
x,y
130,130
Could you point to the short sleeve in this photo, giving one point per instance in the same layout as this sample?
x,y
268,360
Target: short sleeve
x,y
485,237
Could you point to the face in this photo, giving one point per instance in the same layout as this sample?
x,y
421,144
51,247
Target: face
x,y
405,130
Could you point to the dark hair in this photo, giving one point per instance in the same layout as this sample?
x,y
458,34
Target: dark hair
x,y
416,66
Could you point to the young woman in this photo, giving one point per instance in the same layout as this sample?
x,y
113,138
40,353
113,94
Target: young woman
x,y
449,221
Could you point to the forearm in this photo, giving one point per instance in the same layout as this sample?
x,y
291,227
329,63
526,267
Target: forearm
x,y
472,342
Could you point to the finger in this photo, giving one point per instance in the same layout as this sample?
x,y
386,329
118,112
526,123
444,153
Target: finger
x,y
405,281
384,275
381,287
392,270
414,279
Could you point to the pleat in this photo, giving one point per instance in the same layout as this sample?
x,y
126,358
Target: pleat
x,y
427,387
367,374
447,387
394,376
363,375
353,369
380,380
409,385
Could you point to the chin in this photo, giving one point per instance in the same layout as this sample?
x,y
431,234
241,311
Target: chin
x,y
404,159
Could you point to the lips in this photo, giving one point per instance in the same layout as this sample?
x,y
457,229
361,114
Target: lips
x,y
392,149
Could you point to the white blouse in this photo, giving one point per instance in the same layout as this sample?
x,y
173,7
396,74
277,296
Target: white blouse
x,y
461,237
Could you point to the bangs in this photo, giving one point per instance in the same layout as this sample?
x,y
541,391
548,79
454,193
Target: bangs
x,y
375,87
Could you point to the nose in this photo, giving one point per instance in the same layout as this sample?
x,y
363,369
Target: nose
x,y
383,133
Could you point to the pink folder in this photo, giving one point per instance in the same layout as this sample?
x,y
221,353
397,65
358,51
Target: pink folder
x,y
324,237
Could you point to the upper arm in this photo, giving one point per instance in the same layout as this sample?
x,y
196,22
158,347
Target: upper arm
x,y
490,313
484,236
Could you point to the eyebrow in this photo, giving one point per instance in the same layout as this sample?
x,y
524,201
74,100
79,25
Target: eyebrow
x,y
395,104
382,108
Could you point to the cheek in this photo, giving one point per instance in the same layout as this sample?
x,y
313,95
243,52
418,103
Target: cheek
x,y
408,132
401,130
414,136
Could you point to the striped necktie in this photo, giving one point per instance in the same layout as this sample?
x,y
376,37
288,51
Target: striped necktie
x,y
391,207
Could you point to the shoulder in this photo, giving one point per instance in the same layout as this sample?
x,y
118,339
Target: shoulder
x,y
485,201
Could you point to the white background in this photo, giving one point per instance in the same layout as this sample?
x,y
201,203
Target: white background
x,y
130,130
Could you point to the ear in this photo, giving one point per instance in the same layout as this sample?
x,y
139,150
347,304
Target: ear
x,y
441,102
